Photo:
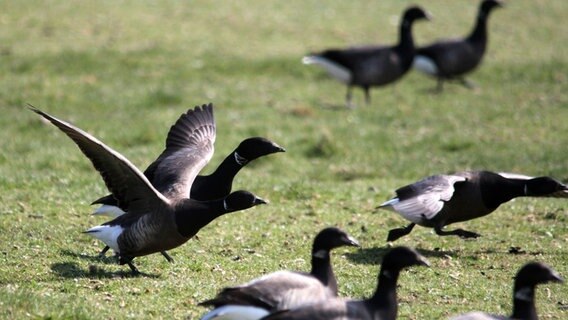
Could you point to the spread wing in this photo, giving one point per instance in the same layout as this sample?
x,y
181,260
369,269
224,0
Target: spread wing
x,y
127,184
189,147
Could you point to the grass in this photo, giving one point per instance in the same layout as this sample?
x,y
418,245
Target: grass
x,y
124,71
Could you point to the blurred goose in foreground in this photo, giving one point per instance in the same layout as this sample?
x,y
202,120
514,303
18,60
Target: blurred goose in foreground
x,y
452,59
370,66
157,220
383,305
283,289
440,200
210,187
204,188
528,277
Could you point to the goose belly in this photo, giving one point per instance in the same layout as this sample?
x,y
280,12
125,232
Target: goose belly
x,y
236,312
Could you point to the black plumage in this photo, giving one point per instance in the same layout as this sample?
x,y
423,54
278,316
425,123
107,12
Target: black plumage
x,y
528,277
371,66
383,305
440,200
157,220
284,289
452,59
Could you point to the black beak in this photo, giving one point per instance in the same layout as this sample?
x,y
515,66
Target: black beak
x,y
258,201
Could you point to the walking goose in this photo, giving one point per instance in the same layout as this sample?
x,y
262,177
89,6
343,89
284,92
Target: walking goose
x,y
371,65
210,187
283,289
528,277
382,305
157,221
453,58
440,200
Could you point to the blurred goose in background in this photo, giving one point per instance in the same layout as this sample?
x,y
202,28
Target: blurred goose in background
x,y
157,220
440,200
528,277
453,58
210,187
383,305
370,66
283,289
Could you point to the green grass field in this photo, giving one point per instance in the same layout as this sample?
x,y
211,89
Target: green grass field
x,y
125,70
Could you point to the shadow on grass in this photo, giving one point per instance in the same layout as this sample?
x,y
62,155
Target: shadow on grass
x,y
110,259
71,270
375,255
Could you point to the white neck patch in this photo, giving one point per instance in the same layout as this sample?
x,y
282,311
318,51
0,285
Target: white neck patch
x,y
524,294
240,160
225,206
322,254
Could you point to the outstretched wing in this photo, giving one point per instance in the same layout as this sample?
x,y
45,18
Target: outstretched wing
x,y
189,147
127,184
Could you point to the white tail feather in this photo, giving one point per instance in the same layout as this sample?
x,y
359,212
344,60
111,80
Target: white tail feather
x,y
425,65
335,70
236,312
107,234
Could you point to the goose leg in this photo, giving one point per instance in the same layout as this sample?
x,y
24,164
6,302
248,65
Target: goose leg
x,y
167,256
133,268
128,261
103,252
367,95
394,234
458,232
348,97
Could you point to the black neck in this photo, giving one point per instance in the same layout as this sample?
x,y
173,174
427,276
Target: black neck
x,y
406,41
384,301
193,215
523,304
479,32
496,190
219,183
322,270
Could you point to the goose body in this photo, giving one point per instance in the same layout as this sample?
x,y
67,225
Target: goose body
x,y
453,58
157,220
284,289
370,66
440,200
383,305
526,280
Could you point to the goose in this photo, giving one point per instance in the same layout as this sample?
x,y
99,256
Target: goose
x,y
283,289
440,200
453,58
528,277
206,187
382,305
369,66
157,221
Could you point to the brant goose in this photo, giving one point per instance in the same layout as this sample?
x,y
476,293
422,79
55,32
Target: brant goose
x,y
157,220
528,277
283,289
371,65
382,305
440,200
452,59
214,186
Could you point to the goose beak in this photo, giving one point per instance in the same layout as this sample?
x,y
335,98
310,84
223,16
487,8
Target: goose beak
x,y
350,241
555,277
258,201
423,261
280,149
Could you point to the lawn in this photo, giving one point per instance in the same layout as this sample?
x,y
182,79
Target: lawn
x,y
125,70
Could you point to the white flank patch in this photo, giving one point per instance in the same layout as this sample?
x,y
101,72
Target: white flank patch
x,y
107,234
107,210
236,312
426,65
337,71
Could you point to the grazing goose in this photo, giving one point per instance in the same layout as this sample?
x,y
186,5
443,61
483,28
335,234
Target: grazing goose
x,y
157,221
210,187
371,65
528,277
283,289
382,305
452,59
440,200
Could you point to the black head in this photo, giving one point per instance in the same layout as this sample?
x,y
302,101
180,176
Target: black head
x,y
240,200
330,238
415,13
256,147
399,258
534,273
544,186
488,5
